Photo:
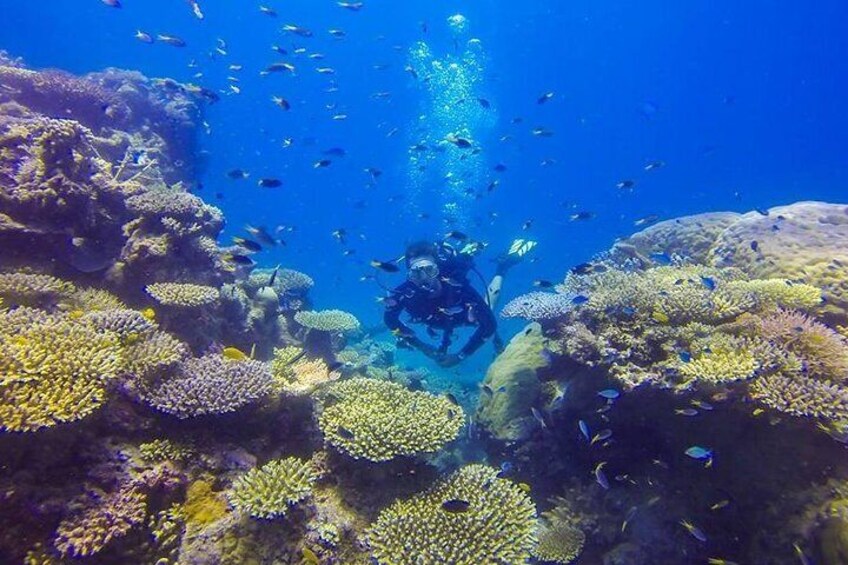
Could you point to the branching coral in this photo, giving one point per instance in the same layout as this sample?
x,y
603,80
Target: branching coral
x,y
380,420
210,384
471,517
163,449
823,351
723,361
127,324
150,354
559,543
32,289
304,376
92,300
802,396
268,491
54,371
538,306
327,320
184,295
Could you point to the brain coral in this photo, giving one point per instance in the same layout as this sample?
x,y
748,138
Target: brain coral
x,y
268,491
804,242
54,370
327,320
498,525
379,420
183,294
210,384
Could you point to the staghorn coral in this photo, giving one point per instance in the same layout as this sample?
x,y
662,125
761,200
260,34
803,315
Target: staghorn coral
x,y
149,355
183,295
498,526
268,491
163,449
802,396
210,384
89,531
327,320
124,323
380,420
33,289
281,364
304,376
722,361
53,371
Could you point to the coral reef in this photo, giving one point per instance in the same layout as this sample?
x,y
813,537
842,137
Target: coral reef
x,y
380,420
268,491
496,523
182,295
327,320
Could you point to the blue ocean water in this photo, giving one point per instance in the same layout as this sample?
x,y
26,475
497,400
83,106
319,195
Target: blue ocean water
x,y
741,101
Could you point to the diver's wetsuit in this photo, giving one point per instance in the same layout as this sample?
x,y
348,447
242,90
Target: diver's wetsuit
x,y
458,304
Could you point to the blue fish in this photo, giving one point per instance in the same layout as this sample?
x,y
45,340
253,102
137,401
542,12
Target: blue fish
x,y
609,394
506,469
708,282
685,356
580,299
661,258
584,429
600,476
700,453
628,310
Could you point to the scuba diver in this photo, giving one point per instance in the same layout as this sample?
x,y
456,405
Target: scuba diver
x,y
438,294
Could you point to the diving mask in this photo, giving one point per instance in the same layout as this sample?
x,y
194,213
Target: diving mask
x,y
423,272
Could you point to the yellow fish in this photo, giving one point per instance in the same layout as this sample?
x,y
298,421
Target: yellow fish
x,y
149,314
525,487
234,354
310,557
660,317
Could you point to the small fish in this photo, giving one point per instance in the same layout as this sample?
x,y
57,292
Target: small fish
x,y
238,259
686,411
280,50
234,354
507,469
801,555
628,517
602,435
297,30
460,142
345,433
281,102
646,220
171,40
143,36
237,174
761,211
698,452
248,244
112,3
654,165
755,247
719,505
452,399
525,487
684,356
149,314
527,225
325,71
703,405
385,266
374,172
609,394
484,103
272,279
353,6
661,258
584,429
720,561
659,317
600,476
544,97
582,215
309,557
487,390
337,33
626,184
457,235
456,506
708,282
278,67
270,183
694,530
583,269
542,283
542,132
268,11
538,416
580,299
321,164
499,168
262,235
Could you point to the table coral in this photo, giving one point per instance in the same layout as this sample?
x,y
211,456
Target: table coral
x,y
498,526
54,371
210,384
182,295
380,420
33,289
538,306
270,490
327,320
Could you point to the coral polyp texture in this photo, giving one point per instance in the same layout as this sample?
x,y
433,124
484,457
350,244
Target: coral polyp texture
x,y
379,420
183,295
32,289
54,370
211,384
559,542
270,490
538,306
471,517
303,376
327,320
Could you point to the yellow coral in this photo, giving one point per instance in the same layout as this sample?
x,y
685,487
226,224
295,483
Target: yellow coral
x,y
268,491
723,363
774,293
379,420
54,371
802,396
472,517
163,449
32,289
203,506
183,294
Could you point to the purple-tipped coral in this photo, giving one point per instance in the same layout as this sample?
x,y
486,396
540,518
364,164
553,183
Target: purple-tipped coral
x,y
210,384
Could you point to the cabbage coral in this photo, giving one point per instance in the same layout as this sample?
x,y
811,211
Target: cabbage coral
x,y
268,491
183,294
210,384
380,420
32,289
53,371
327,320
472,517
